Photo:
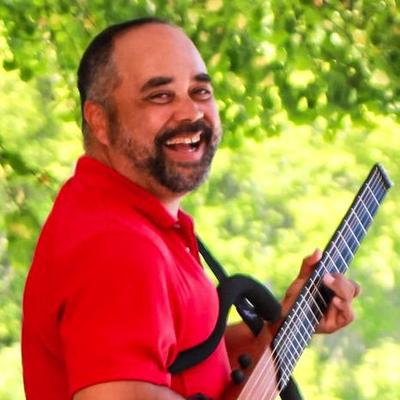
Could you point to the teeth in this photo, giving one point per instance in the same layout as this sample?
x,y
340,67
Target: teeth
x,y
184,139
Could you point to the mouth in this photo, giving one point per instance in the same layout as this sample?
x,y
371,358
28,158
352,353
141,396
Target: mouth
x,y
185,142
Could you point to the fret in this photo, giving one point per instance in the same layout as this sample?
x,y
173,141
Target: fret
x,y
348,241
339,253
347,246
302,331
289,359
289,344
301,328
372,193
352,233
366,209
359,221
304,302
284,376
312,297
300,346
333,263
349,235
296,331
316,319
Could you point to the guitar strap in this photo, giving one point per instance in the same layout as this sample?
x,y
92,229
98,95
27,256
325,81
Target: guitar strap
x,y
254,303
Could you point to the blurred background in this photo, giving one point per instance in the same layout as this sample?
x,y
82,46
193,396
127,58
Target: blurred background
x,y
309,95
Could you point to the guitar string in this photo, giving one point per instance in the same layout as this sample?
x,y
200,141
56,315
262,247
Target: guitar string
x,y
281,358
343,237
340,247
349,223
316,288
303,299
314,316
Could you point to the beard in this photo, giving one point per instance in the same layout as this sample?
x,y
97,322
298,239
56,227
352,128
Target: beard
x,y
177,176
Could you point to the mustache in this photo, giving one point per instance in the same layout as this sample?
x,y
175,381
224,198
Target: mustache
x,y
200,125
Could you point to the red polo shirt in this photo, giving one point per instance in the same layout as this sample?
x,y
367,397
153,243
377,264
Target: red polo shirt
x,y
115,292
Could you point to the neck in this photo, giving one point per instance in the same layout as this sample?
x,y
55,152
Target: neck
x,y
171,201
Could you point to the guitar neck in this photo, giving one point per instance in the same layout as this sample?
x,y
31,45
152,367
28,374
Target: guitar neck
x,y
297,329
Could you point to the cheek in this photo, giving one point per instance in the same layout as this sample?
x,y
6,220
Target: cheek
x,y
215,120
150,123
157,119
213,114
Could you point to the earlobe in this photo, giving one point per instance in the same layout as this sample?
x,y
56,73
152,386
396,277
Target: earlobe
x,y
95,117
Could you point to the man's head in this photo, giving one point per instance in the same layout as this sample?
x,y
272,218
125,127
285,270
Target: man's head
x,y
147,105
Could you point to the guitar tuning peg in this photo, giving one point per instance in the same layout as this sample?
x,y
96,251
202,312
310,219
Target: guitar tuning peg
x,y
237,376
245,360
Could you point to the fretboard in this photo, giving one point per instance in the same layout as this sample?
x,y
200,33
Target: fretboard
x,y
296,331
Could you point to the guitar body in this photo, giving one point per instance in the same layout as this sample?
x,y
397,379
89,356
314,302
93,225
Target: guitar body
x,y
258,347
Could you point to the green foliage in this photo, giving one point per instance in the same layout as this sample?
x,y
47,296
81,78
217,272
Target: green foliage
x,y
309,97
11,373
311,60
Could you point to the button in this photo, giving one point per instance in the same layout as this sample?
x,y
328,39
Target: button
x,y
187,249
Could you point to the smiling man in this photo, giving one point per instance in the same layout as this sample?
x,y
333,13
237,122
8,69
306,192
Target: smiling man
x,y
116,289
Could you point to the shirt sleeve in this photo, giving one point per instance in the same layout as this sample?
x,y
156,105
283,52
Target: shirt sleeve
x,y
118,321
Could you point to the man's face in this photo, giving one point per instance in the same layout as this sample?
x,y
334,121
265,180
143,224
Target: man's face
x,y
163,120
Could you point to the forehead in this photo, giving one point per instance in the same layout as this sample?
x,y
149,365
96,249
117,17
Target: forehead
x,y
156,50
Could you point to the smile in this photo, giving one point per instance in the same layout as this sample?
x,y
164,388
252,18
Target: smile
x,y
185,140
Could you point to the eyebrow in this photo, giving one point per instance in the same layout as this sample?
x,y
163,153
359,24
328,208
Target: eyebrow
x,y
155,82
202,77
164,80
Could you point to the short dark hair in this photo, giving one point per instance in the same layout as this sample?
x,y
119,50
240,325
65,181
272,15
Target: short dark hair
x,y
97,76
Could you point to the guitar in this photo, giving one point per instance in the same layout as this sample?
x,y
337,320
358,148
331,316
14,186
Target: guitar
x,y
276,363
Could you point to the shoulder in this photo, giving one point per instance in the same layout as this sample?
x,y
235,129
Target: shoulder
x,y
99,225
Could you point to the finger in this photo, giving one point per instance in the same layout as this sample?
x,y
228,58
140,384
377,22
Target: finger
x,y
342,287
344,311
338,315
357,288
309,263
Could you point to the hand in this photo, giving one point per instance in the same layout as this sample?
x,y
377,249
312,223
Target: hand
x,y
339,312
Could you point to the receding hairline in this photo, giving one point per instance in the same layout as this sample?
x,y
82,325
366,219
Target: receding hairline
x,y
178,35
138,28
147,25
150,25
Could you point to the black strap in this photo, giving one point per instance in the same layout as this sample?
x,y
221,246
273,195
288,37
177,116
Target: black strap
x,y
243,306
249,315
230,290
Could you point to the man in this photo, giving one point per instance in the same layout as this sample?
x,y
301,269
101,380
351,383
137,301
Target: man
x,y
116,289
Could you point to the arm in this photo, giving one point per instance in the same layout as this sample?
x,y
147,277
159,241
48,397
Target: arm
x,y
102,325
126,390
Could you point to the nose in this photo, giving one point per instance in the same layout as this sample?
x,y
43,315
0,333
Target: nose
x,y
188,110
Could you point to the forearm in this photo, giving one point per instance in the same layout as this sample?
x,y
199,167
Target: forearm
x,y
127,390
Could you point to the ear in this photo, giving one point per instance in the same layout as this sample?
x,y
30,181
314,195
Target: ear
x,y
96,118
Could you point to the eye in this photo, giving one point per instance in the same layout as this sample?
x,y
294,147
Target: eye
x,y
202,93
160,97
